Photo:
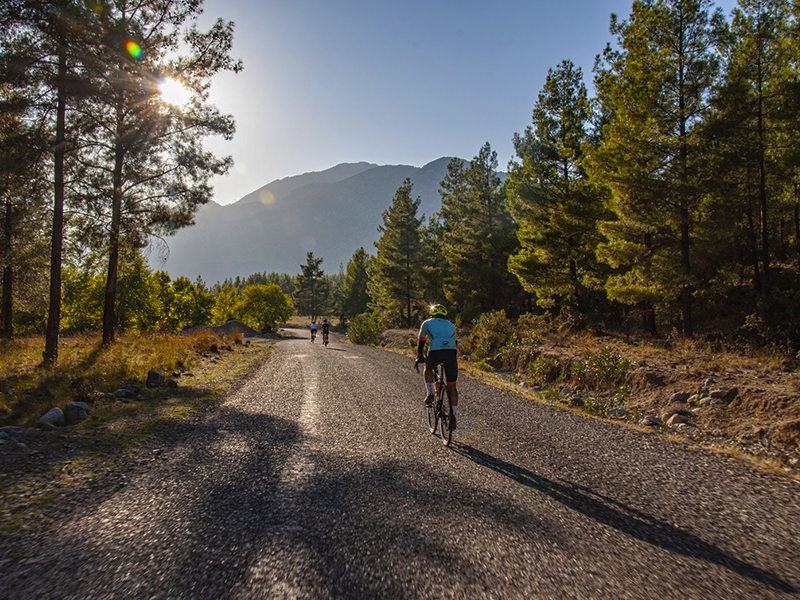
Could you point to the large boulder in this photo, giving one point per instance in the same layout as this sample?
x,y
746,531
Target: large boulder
x,y
55,416
155,379
75,412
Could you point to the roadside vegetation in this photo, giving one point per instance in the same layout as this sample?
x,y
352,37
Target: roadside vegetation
x,y
90,372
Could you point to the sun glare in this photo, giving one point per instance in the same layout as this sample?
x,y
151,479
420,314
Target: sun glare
x,y
173,92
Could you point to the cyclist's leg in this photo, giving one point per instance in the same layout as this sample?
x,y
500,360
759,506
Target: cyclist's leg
x,y
451,375
429,377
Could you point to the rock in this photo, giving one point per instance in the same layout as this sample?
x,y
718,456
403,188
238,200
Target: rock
x,y
176,374
618,413
651,421
11,430
679,397
139,397
20,445
171,383
75,412
538,388
732,393
719,394
676,419
576,401
709,382
693,399
3,435
155,379
55,416
123,393
709,401
132,388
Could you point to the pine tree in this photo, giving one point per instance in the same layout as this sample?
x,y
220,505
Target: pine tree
x,y
147,173
354,295
479,235
397,271
550,196
312,289
656,86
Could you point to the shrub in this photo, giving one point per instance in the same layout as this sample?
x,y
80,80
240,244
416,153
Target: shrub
x,y
482,365
542,370
492,331
530,326
365,329
204,340
600,370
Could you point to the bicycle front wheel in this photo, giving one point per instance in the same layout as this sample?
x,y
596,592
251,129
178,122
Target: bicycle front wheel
x,y
444,418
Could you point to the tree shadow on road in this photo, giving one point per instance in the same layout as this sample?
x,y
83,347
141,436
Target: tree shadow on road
x,y
623,518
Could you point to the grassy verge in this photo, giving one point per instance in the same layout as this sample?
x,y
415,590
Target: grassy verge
x,y
75,465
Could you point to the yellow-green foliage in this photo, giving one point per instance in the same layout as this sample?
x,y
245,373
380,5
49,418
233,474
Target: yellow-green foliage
x,y
84,367
492,331
542,369
600,370
364,329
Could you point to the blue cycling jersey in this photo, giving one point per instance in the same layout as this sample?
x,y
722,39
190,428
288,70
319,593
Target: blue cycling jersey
x,y
439,333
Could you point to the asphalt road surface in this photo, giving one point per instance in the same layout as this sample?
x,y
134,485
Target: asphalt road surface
x,y
319,479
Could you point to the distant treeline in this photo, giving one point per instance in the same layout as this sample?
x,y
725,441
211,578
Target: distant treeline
x,y
668,202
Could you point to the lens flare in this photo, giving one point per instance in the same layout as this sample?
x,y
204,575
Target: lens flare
x,y
172,92
133,49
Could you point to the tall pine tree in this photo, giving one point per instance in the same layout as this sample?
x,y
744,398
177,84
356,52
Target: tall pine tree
x,y
479,235
397,271
656,86
550,196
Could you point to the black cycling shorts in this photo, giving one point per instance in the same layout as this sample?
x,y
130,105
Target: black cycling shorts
x,y
449,358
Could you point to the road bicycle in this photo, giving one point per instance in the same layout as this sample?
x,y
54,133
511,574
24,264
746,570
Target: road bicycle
x,y
438,414
313,334
325,339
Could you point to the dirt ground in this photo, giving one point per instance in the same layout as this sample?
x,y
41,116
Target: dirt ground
x,y
759,417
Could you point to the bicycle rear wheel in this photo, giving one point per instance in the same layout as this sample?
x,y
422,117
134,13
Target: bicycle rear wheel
x,y
444,418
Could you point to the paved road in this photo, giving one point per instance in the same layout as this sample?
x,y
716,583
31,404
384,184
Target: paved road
x,y
317,479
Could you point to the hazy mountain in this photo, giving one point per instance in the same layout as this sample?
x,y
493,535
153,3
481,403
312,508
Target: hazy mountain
x,y
330,213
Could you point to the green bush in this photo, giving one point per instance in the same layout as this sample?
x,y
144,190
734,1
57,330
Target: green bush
x,y
482,365
599,370
365,329
492,331
542,370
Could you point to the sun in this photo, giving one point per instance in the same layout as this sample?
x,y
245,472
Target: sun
x,y
172,92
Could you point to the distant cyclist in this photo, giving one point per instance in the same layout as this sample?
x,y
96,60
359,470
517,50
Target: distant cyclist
x,y
326,327
313,330
440,334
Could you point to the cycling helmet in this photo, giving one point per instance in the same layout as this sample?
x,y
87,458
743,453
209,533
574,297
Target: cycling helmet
x,y
437,310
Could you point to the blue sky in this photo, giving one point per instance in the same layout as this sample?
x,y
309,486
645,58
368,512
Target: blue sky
x,y
331,81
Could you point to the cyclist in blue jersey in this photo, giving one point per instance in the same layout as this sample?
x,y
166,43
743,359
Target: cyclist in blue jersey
x,y
440,335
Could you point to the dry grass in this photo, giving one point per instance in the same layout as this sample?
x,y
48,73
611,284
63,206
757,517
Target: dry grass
x,y
86,368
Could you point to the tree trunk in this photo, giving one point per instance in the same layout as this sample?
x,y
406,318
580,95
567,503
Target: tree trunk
x,y
54,312
762,189
686,295
109,316
6,309
751,235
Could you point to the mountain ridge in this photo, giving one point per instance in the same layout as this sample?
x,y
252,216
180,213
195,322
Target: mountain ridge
x,y
331,213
